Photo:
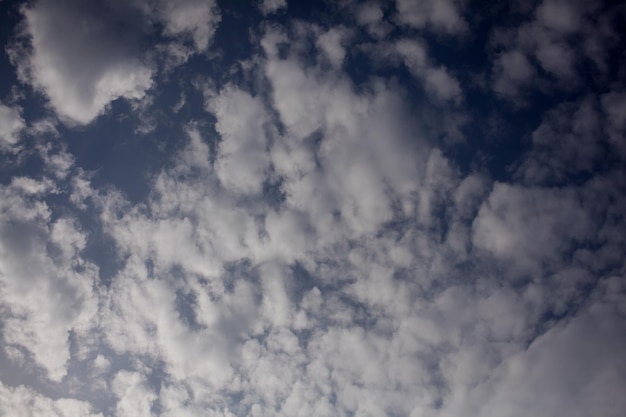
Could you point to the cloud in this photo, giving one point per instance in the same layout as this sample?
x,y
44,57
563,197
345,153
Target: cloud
x,y
513,70
580,359
197,19
313,245
444,16
11,123
437,81
78,82
272,6
135,398
568,143
614,106
370,15
47,285
82,75
242,158
501,226
23,401
331,43
558,42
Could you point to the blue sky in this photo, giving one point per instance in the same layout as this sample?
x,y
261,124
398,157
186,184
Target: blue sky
x,y
342,209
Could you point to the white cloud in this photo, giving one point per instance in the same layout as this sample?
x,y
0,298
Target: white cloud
x,y
437,81
442,15
560,38
11,123
47,286
362,166
22,401
242,157
135,398
581,359
370,15
568,142
58,163
197,19
559,15
518,225
512,71
381,279
272,6
331,43
80,75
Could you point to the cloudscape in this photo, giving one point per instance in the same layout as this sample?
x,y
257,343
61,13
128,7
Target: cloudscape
x,y
281,208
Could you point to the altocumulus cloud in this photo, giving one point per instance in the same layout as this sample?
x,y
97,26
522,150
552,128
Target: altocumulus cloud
x,y
403,208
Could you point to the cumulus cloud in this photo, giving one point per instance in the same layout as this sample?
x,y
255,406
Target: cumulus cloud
x,y
47,286
437,80
82,75
22,401
272,6
444,16
371,16
614,106
501,224
11,123
569,361
242,158
560,40
313,246
331,43
568,142
78,82
196,19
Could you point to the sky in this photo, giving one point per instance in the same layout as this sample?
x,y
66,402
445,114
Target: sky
x,y
274,208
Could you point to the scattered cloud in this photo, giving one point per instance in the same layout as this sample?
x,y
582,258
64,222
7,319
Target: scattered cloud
x,y
82,75
310,242
47,287
444,16
272,6
12,123
558,42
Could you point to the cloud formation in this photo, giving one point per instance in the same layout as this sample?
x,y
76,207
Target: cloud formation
x,y
83,56
11,122
310,241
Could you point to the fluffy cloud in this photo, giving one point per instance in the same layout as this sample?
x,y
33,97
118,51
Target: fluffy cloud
x,y
437,81
568,142
272,6
502,228
242,158
559,41
194,18
78,82
444,16
312,246
82,74
582,358
11,122
47,287
24,402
